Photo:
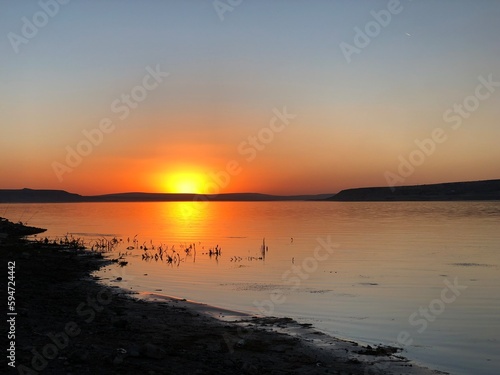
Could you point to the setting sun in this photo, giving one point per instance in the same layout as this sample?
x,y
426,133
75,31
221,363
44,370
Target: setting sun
x,y
185,182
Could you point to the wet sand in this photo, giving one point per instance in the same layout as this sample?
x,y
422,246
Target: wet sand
x,y
69,323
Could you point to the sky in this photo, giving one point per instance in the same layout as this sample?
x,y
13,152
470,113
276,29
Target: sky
x,y
279,97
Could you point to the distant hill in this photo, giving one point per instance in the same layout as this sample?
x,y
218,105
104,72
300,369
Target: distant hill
x,y
61,196
453,191
172,197
38,196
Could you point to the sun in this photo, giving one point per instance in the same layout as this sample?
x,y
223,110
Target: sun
x,y
185,182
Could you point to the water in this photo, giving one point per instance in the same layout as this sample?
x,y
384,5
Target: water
x,y
389,276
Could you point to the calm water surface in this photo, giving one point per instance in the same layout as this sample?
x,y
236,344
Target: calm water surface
x,y
387,277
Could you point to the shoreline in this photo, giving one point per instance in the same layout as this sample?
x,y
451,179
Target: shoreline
x,y
69,322
315,337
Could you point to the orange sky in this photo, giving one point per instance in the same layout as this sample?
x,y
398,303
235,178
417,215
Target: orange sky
x,y
160,98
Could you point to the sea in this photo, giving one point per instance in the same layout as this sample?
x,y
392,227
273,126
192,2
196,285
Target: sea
x,y
423,276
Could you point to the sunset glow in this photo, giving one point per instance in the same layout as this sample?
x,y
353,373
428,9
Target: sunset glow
x,y
185,182
181,91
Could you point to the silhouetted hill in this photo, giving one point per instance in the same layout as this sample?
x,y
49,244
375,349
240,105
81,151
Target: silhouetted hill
x,y
173,197
140,197
61,196
452,191
38,196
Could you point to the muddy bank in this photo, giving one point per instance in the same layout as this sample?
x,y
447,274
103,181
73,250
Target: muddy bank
x,y
68,323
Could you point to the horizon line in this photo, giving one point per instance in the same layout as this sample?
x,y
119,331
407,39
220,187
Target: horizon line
x,y
260,193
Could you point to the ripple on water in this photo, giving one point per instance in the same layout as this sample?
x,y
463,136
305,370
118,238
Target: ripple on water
x,y
253,286
467,264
